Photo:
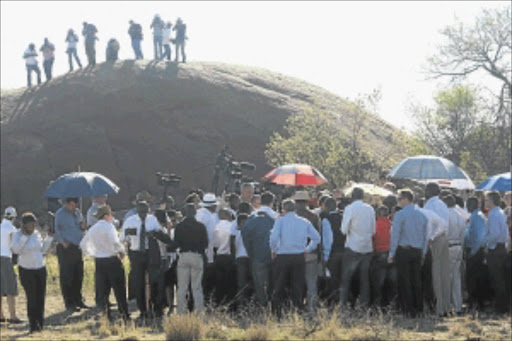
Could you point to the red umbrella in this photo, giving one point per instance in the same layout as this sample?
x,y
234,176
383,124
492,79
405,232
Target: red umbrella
x,y
296,175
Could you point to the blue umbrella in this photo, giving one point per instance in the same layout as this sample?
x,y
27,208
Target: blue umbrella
x,y
80,185
500,182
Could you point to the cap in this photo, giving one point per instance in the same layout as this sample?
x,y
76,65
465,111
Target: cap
x,y
10,212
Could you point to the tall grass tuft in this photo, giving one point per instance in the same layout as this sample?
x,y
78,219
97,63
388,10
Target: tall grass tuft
x,y
183,327
257,332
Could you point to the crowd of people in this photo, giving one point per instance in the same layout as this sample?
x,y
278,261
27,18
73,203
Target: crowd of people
x,y
422,252
162,41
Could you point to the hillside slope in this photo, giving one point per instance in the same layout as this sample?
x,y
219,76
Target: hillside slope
x,y
131,119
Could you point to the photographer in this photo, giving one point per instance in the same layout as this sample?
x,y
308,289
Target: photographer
x,y
141,231
72,39
135,33
89,32
31,248
48,50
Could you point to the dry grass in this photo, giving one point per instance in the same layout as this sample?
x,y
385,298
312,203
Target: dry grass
x,y
251,324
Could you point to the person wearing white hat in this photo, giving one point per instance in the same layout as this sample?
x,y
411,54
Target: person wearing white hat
x,y
205,215
8,283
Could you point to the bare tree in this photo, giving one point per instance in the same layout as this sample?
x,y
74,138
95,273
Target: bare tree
x,y
487,46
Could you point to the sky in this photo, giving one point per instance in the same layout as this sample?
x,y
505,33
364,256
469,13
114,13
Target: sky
x,y
348,48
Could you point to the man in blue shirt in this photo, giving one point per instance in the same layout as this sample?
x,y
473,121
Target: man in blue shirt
x,y
495,238
407,248
256,239
69,226
473,241
289,246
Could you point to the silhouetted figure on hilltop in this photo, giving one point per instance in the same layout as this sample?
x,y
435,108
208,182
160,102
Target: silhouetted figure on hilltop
x,y
89,32
158,26
181,36
72,39
135,32
31,63
48,50
112,50
167,41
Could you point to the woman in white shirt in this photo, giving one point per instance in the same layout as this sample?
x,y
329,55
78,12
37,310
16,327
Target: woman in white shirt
x,y
31,248
102,243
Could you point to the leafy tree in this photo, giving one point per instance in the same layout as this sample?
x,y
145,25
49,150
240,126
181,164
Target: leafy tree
x,y
446,127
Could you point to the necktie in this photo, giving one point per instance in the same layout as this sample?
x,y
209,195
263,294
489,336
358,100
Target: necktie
x,y
142,240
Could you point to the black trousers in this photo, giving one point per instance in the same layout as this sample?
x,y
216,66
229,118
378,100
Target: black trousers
x,y
110,274
383,278
208,281
291,269
476,278
71,269
427,283
334,264
225,284
34,284
140,267
408,266
243,278
496,260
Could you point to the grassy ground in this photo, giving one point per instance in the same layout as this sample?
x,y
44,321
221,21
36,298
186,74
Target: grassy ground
x,y
326,325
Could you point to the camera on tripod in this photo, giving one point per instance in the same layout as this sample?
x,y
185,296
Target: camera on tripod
x,y
168,179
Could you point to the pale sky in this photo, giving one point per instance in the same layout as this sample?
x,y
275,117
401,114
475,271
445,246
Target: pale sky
x,y
348,48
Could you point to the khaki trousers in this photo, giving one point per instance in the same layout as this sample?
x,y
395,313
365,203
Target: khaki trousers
x,y
441,274
190,271
455,277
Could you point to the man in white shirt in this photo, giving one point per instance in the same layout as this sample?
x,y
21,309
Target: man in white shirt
x,y
8,283
31,63
225,284
359,226
438,242
137,229
205,215
102,243
456,231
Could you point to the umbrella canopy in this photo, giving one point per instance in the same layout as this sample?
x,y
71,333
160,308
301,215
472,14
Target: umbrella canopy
x,y
80,185
368,189
500,182
296,175
426,168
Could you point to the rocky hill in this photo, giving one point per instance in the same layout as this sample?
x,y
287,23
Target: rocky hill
x,y
130,119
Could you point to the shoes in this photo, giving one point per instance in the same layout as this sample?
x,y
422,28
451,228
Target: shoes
x,y
82,305
15,321
3,320
73,309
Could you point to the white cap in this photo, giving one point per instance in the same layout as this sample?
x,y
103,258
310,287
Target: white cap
x,y
10,212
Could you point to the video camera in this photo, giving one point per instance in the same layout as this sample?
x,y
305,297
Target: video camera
x,y
168,179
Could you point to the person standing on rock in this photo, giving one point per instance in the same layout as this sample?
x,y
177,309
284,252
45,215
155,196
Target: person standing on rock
x,y
181,36
167,41
48,50
158,26
31,63
72,39
89,32
135,32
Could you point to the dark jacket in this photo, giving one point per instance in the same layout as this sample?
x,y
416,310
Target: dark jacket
x,y
191,236
256,237
338,240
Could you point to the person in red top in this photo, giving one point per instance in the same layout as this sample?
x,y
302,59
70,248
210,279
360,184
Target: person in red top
x,y
381,270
